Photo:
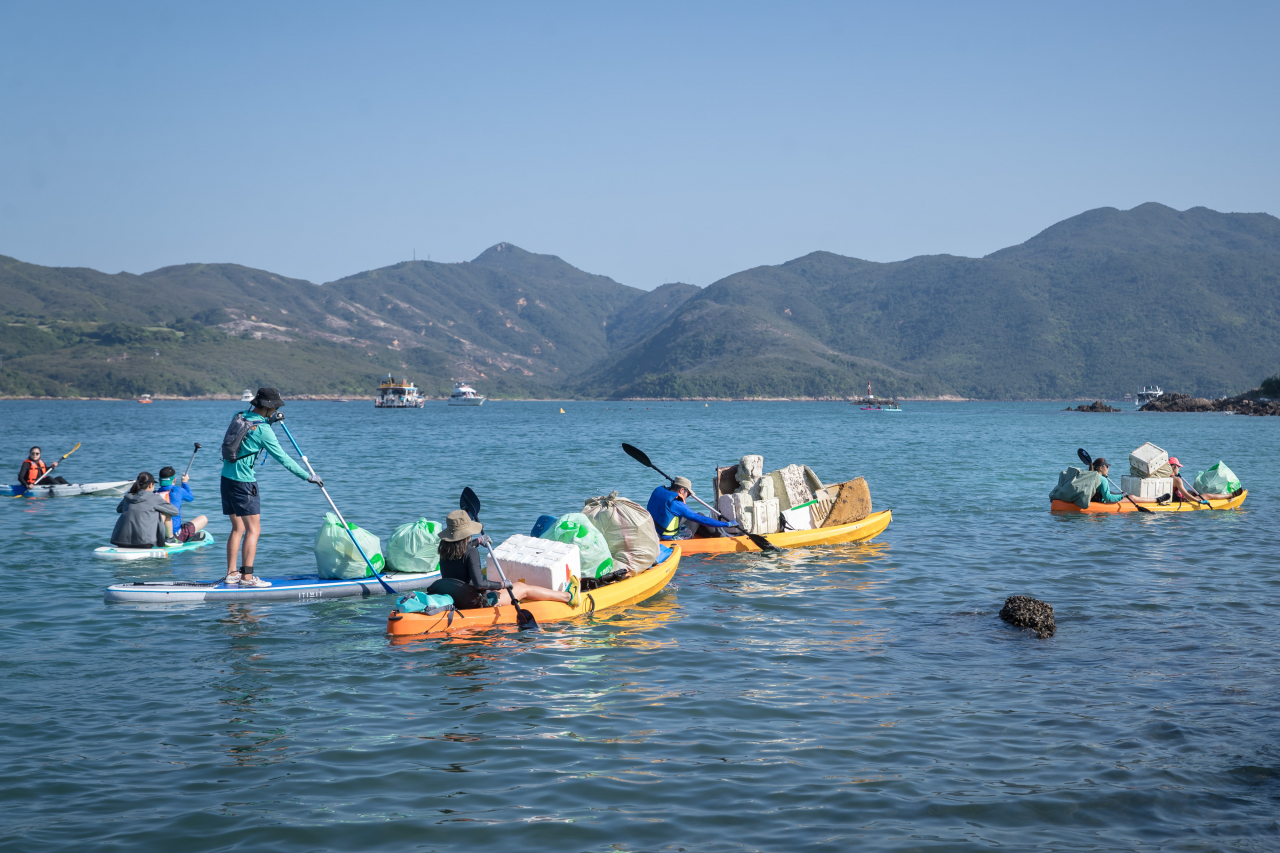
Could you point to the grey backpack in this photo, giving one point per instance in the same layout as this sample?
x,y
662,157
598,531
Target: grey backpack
x,y
236,434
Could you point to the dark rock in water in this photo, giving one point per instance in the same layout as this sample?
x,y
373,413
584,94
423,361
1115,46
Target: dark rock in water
x,y
1251,403
1025,612
1095,406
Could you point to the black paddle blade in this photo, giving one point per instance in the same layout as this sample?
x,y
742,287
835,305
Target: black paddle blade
x,y
1084,457
636,454
525,620
470,501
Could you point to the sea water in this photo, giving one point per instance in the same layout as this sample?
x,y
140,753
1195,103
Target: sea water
x,y
831,698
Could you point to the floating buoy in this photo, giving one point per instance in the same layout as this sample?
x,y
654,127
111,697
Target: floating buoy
x,y
562,411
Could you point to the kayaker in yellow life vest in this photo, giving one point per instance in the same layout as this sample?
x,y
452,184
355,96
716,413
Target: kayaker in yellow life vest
x,y
667,506
35,472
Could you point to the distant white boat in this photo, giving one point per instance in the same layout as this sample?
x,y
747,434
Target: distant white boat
x,y
247,396
1147,394
398,393
464,395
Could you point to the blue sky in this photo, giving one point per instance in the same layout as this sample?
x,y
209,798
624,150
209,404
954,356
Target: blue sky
x,y
652,142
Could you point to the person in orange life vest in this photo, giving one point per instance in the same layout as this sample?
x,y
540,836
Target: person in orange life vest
x,y
35,472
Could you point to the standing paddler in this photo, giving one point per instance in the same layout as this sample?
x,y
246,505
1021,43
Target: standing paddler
x,y
248,435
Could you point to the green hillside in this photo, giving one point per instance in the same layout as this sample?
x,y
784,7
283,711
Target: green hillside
x,y
1094,306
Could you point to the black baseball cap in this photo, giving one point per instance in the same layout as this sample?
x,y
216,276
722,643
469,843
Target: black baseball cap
x,y
268,398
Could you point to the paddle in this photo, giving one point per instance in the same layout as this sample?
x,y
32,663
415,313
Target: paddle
x,y
1088,460
280,418
470,502
56,464
639,455
192,459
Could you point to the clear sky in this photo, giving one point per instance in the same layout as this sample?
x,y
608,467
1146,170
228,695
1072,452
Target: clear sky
x,y
650,142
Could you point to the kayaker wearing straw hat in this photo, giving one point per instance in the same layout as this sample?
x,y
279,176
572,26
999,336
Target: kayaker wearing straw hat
x,y
249,434
463,580
667,506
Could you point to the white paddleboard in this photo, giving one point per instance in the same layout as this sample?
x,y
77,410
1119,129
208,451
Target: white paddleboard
x,y
298,588
115,489
112,552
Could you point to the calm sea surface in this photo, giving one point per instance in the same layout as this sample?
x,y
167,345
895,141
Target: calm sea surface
x,y
852,697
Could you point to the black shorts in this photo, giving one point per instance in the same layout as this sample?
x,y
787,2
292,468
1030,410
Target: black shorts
x,y
240,498
464,595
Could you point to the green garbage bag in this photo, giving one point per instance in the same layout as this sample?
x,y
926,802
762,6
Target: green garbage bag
x,y
415,547
1076,485
337,557
1218,480
593,550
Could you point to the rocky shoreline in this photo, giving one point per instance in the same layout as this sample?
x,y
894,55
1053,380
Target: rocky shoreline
x,y
1249,403
1095,406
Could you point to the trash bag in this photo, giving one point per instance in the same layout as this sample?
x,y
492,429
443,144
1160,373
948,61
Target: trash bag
x,y
415,547
1218,480
1076,485
576,529
628,529
336,556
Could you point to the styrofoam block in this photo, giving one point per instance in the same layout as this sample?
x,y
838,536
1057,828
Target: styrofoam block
x,y
764,516
798,519
1148,458
537,562
1146,487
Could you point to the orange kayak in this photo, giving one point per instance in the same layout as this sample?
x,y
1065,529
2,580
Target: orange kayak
x,y
1127,506
859,531
629,591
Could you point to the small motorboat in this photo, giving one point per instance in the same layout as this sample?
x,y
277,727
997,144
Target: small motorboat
x,y
464,395
145,398
247,396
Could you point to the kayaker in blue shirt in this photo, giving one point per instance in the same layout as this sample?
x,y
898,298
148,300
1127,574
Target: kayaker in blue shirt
x,y
179,531
667,506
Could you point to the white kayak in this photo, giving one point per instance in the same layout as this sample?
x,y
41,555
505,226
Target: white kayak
x,y
114,552
297,588
113,490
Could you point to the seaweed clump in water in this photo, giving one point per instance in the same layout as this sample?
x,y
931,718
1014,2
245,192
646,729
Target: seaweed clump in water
x,y
1025,612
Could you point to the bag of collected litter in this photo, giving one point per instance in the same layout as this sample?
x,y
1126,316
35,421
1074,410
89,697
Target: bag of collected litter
x,y
1218,480
415,547
336,556
576,529
628,530
1076,485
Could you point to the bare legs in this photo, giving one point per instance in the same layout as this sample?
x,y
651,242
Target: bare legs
x,y
524,592
246,528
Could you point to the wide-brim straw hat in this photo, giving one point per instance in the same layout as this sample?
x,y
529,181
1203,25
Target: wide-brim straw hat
x,y
458,525
682,483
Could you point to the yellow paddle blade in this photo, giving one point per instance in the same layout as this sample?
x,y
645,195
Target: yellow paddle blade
x,y
72,450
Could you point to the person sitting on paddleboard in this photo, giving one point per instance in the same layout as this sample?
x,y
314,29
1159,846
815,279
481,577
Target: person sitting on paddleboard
x,y
463,580
142,516
179,531
1103,493
34,472
240,497
667,506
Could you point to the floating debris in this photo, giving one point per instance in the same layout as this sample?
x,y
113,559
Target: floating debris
x,y
1024,612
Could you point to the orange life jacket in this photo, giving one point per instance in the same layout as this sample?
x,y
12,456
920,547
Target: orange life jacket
x,y
35,470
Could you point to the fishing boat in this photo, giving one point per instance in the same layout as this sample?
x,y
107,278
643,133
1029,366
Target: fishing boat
x,y
295,588
247,396
398,393
464,395
859,531
629,591
145,398
1128,506
113,490
1147,394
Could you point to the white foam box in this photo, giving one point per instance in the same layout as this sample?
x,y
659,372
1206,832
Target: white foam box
x,y
537,562
736,506
798,519
764,516
1146,487
1148,458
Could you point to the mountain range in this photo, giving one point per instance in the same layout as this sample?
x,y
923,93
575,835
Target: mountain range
x,y
1096,305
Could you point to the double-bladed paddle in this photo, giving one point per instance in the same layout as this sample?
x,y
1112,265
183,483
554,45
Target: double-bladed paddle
x,y
470,503
1088,461
639,455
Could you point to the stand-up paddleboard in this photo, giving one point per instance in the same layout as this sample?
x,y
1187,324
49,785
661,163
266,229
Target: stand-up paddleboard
x,y
297,588
113,490
113,552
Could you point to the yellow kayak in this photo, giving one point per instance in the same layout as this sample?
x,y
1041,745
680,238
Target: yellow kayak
x,y
859,531
629,591
1127,506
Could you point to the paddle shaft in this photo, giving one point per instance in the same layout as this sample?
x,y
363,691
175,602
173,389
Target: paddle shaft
x,y
470,503
192,459
334,506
